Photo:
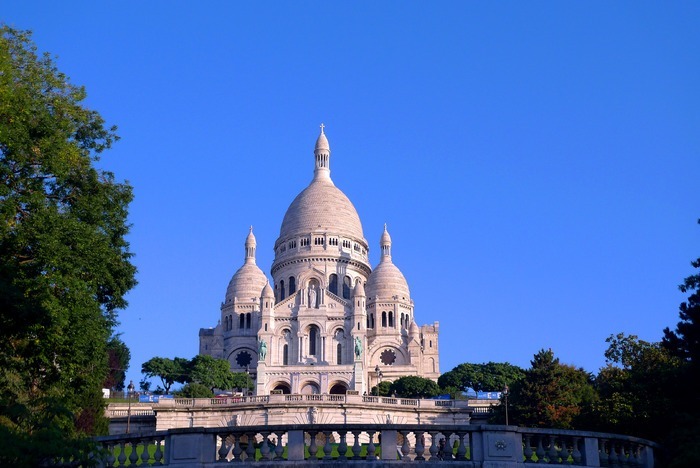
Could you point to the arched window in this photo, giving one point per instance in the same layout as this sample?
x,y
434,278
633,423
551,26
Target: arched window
x,y
401,320
292,285
384,319
368,325
313,337
282,291
372,316
285,355
391,319
339,354
241,320
347,282
247,320
333,284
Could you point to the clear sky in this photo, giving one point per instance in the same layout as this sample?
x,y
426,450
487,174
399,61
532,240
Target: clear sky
x,y
536,162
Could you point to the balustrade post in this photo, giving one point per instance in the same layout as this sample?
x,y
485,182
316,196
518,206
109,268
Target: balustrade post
x,y
295,445
250,448
188,449
356,448
388,444
343,445
313,449
462,448
420,445
371,449
591,454
237,447
279,448
327,448
405,446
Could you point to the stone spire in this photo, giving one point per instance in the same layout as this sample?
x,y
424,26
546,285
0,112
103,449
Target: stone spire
x,y
322,155
250,245
385,246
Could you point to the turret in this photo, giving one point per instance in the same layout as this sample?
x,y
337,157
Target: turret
x,y
322,155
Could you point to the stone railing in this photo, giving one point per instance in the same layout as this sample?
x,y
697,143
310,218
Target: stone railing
x,y
342,444
309,399
144,409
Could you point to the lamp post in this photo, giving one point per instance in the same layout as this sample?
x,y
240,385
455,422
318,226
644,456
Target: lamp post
x,y
247,380
505,395
379,374
129,392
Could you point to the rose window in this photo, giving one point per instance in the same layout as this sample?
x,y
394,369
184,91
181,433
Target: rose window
x,y
388,357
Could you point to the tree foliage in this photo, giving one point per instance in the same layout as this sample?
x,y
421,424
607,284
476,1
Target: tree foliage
x,y
167,370
64,261
412,386
212,373
382,389
635,387
118,357
551,394
491,376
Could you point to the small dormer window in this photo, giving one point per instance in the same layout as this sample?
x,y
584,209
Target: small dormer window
x,y
304,241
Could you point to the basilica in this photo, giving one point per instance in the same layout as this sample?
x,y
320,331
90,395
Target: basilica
x,y
328,322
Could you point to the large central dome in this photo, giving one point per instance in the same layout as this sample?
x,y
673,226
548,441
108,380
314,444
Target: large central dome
x,y
321,206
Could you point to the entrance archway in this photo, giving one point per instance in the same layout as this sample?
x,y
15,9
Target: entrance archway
x,y
310,388
284,387
338,389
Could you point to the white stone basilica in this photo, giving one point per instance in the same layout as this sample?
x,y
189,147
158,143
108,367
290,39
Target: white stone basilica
x,y
331,322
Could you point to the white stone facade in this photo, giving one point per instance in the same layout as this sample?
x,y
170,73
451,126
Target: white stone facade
x,y
327,320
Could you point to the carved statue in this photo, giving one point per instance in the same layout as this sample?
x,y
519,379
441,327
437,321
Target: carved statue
x,y
312,297
262,350
358,347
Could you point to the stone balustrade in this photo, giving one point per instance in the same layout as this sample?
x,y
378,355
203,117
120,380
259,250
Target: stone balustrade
x,y
478,446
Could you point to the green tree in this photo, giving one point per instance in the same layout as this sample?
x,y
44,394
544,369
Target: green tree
x,y
242,380
412,386
491,376
684,343
212,373
118,357
636,387
551,394
382,389
167,370
194,390
64,261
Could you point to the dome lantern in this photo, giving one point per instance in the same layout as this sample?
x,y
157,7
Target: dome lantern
x,y
322,154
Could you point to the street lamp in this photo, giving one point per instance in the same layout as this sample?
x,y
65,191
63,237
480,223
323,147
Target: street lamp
x,y
505,395
379,373
247,380
129,392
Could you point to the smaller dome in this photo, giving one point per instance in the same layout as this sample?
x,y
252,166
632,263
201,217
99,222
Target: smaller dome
x,y
249,280
267,290
387,281
359,290
322,142
246,283
413,329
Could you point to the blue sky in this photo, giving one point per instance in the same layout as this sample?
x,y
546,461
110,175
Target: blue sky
x,y
536,162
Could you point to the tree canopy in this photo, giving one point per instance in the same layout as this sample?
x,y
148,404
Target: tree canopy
x,y
551,394
167,370
64,260
118,357
412,386
491,376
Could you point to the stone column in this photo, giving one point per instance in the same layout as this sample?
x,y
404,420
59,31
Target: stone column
x,y
261,378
